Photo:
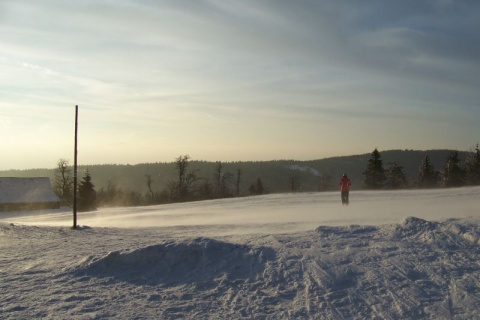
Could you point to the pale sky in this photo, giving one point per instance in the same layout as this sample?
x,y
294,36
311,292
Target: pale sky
x,y
235,80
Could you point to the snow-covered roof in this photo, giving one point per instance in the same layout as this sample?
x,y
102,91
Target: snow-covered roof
x,y
26,190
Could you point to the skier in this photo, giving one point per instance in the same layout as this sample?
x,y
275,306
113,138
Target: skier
x,y
345,185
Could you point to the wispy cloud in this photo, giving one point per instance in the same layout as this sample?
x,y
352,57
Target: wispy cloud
x,y
157,67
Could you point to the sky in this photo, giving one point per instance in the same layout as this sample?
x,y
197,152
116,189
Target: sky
x,y
235,80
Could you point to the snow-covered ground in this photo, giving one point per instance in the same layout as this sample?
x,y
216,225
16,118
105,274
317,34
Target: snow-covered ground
x,y
389,255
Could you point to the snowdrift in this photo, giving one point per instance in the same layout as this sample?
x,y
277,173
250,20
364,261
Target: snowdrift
x,y
176,262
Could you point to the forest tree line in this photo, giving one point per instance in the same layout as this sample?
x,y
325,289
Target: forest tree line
x,y
187,184
454,173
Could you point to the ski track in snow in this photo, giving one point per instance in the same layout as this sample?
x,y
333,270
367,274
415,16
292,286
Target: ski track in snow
x,y
410,269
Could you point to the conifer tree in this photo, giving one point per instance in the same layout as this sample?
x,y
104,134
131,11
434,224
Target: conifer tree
x,y
453,174
472,168
375,174
87,196
395,176
427,174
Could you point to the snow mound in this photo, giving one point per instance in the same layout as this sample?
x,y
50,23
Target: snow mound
x,y
443,234
447,235
411,225
414,269
176,262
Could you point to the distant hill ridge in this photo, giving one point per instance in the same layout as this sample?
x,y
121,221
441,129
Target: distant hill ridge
x,y
276,175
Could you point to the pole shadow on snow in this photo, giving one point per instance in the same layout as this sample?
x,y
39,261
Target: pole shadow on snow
x,y
180,262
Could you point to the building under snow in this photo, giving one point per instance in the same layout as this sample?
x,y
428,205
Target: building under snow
x,y
18,194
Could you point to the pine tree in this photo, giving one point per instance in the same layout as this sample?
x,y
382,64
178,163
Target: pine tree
x,y
396,178
472,168
453,174
87,196
375,174
427,174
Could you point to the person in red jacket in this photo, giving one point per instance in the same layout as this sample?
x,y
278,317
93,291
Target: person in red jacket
x,y
345,185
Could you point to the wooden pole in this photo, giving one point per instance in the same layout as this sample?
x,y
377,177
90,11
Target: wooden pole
x,y
75,172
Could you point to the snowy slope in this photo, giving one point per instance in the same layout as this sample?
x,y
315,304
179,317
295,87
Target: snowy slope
x,y
278,212
192,262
